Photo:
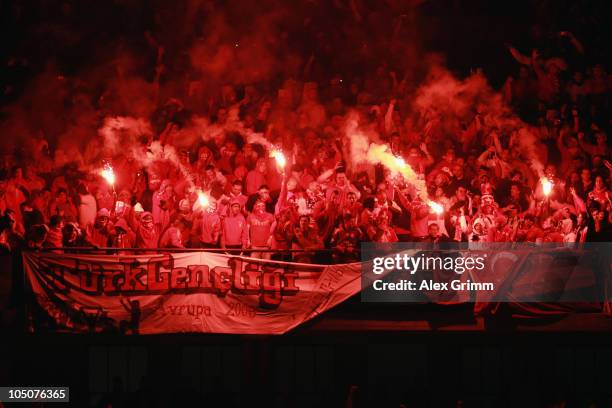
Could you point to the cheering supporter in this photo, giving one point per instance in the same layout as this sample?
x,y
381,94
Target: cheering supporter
x,y
346,240
55,234
147,233
62,206
306,238
122,236
72,236
98,234
261,225
173,235
234,229
235,196
311,163
208,226
256,177
87,206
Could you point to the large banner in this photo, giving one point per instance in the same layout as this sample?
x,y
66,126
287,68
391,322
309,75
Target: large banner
x,y
183,292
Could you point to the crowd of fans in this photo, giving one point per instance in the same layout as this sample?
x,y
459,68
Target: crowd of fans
x,y
232,191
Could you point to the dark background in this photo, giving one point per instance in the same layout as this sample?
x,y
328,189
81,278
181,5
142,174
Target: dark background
x,y
77,35
317,369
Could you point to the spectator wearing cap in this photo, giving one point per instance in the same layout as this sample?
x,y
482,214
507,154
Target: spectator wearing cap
x,y
234,230
134,218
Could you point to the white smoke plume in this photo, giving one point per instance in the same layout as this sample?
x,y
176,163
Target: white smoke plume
x,y
531,148
121,132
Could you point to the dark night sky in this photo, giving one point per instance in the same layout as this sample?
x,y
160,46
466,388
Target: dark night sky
x,y
76,34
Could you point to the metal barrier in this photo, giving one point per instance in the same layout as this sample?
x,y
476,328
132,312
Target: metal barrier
x,y
221,250
323,256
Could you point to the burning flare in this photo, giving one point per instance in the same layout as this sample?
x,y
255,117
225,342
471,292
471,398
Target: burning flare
x,y
436,208
109,174
278,155
377,153
547,186
400,162
203,200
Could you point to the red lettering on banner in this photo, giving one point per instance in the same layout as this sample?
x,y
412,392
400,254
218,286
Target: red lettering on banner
x,y
245,279
198,277
179,278
57,279
252,275
290,287
112,281
222,279
157,279
90,281
132,276
271,286
129,276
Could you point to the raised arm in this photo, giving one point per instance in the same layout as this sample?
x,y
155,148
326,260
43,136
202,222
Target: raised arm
x,y
428,160
520,58
282,198
560,145
573,40
484,155
496,143
402,200
579,203
325,176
